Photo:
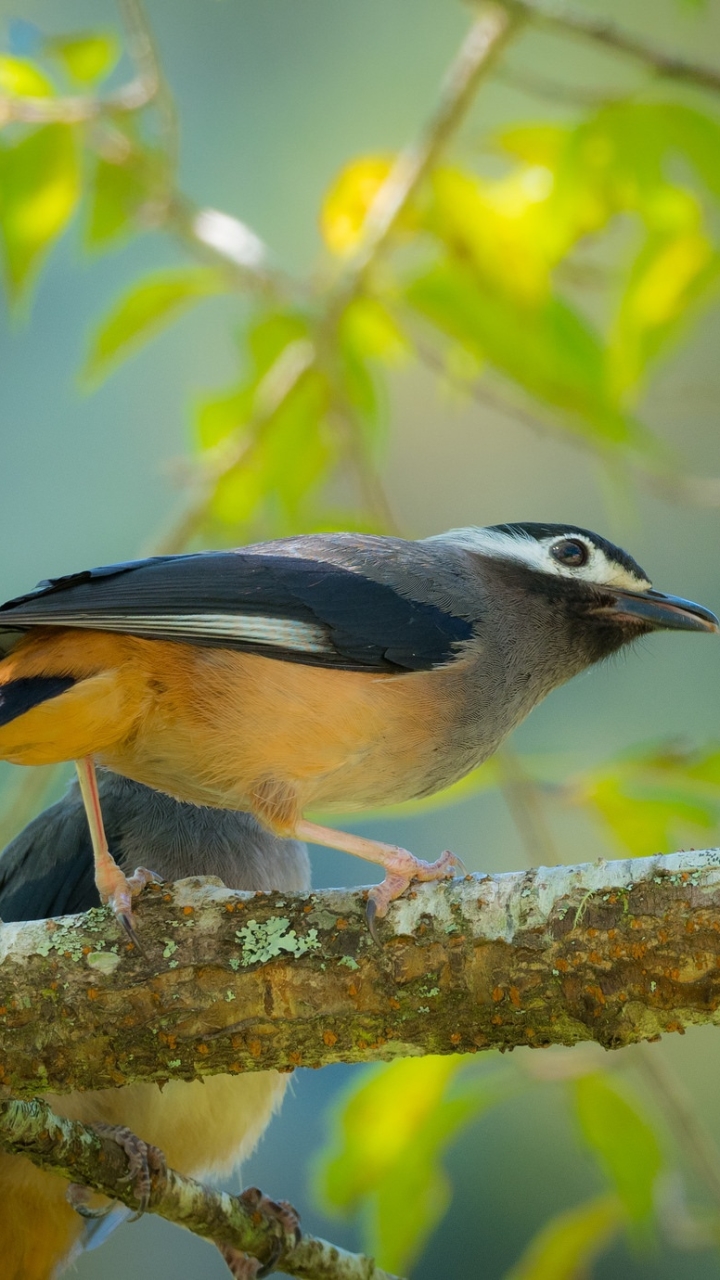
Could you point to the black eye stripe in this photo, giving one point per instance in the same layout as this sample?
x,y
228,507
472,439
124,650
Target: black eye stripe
x,y
570,552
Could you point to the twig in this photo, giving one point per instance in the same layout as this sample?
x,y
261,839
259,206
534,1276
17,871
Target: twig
x,y
692,1136
79,1153
279,382
76,109
524,800
143,49
478,54
554,90
572,21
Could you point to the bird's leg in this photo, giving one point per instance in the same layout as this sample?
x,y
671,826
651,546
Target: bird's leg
x,y
401,867
114,887
242,1265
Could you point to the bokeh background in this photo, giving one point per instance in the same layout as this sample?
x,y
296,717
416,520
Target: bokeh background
x,y
274,97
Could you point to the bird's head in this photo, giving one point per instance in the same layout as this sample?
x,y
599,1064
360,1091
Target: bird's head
x,y
579,585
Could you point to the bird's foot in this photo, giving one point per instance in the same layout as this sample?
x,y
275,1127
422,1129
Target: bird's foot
x,y
79,1197
144,1162
118,890
402,868
242,1265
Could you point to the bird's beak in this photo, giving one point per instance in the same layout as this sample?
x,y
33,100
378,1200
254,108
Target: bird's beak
x,y
654,609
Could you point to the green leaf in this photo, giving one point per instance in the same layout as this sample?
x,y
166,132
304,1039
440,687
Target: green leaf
x,y
653,801
86,57
376,1120
622,1141
144,311
117,192
286,456
23,79
39,190
389,1135
566,1246
547,348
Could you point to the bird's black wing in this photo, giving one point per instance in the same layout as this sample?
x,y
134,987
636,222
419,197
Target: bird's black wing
x,y
48,869
300,610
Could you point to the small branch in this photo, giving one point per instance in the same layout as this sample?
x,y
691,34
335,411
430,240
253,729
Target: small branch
x,y
80,1154
478,54
615,952
691,1134
143,50
76,109
283,376
572,21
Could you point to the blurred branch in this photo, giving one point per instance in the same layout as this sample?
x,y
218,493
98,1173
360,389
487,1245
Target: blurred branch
x,y
80,1153
525,803
691,1134
143,50
76,109
614,952
571,21
477,56
281,379
554,90
483,43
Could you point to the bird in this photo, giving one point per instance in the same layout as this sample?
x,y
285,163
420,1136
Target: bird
x,y
203,1127
320,672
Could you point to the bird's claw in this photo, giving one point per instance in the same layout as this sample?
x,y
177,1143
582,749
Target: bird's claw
x,y
119,895
242,1266
144,1163
401,876
78,1197
255,1201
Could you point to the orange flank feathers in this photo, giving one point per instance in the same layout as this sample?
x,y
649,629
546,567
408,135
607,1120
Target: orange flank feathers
x,y
219,727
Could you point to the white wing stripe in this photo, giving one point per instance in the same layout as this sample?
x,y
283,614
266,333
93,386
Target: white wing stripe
x,y
305,637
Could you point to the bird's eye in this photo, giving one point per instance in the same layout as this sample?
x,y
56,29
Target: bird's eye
x,y
571,553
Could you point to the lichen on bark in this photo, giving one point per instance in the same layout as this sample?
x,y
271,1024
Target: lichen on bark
x,y
227,981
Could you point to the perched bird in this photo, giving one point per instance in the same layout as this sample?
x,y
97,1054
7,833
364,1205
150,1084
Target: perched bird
x,y
330,671
202,1127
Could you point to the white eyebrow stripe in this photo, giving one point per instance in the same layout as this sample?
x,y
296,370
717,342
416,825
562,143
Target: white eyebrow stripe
x,y
284,633
534,554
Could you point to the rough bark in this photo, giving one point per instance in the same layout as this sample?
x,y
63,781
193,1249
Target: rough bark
x,y
613,951
73,1149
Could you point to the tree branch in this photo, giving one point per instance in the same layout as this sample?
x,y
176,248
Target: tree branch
x,y
615,952
573,22
81,1154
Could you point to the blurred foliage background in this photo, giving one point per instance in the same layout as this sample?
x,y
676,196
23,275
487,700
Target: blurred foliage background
x,y
263,274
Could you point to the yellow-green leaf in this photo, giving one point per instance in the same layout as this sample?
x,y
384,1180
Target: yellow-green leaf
x,y
39,189
547,348
117,193
376,1121
389,1137
21,78
144,311
623,1142
566,1246
348,200
652,801
86,57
